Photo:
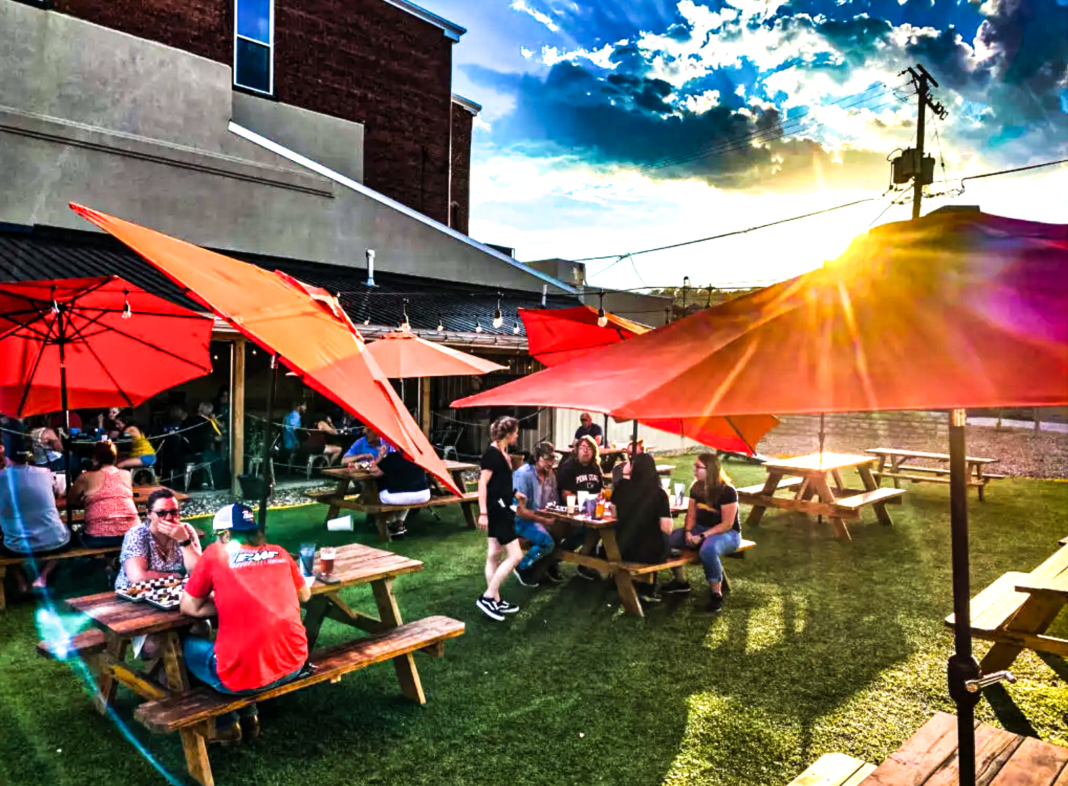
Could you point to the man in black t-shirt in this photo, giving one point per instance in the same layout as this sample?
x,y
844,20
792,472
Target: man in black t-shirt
x,y
581,472
404,483
588,429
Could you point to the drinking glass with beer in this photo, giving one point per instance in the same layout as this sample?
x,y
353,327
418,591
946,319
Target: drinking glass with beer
x,y
327,555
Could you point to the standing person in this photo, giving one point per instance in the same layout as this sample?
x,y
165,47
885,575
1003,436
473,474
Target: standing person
x,y
713,526
535,488
290,441
588,429
582,470
29,517
255,589
106,493
495,517
405,484
644,520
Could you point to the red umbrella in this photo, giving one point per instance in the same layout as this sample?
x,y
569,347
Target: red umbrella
x,y
403,356
304,326
958,309
93,342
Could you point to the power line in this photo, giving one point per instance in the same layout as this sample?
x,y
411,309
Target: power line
x,y
725,234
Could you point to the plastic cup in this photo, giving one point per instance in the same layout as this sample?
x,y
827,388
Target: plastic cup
x,y
326,560
571,502
307,559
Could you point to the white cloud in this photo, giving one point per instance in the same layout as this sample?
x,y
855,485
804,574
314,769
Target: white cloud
x,y
550,56
699,104
527,53
545,19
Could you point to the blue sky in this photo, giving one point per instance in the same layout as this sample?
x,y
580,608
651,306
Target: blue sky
x,y
616,125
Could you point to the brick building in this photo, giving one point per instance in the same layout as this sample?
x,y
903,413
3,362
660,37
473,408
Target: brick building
x,y
385,64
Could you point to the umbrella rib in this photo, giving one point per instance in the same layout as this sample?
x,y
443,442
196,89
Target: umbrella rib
x,y
745,442
152,346
29,379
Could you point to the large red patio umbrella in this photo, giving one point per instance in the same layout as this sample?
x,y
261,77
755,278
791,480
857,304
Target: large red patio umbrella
x,y
558,336
958,309
303,326
83,343
405,355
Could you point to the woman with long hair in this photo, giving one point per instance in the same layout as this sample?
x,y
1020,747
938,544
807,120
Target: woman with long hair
x,y
497,518
713,527
643,514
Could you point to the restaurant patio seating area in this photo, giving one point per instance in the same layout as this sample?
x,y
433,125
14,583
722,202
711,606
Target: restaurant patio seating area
x,y
826,646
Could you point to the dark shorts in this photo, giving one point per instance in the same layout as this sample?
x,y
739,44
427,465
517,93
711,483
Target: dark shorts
x,y
502,528
95,542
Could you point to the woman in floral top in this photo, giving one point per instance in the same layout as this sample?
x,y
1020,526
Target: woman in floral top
x,y
158,548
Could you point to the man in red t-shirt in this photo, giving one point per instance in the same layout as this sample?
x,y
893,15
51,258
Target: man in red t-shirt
x,y
258,590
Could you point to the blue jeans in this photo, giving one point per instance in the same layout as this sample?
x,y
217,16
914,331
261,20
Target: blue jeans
x,y
712,548
200,660
541,541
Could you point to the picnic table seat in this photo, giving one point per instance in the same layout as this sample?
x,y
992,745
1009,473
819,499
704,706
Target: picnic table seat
x,y
785,483
834,769
687,557
70,553
857,501
382,512
88,642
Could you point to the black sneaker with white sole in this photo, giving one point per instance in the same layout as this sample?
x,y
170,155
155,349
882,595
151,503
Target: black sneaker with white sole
x,y
648,594
488,606
553,574
524,577
676,587
505,607
715,603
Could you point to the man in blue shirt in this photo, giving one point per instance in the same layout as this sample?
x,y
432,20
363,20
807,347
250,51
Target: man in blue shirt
x,y
291,424
535,488
367,448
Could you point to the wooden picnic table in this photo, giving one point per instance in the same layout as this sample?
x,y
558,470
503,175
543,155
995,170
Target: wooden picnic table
x,y
1016,611
899,470
121,621
368,496
930,757
820,489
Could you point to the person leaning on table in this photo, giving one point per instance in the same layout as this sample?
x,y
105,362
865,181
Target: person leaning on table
x,y
713,526
161,547
261,642
643,520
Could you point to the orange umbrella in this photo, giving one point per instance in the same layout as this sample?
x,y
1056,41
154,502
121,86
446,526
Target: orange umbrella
x,y
558,335
404,356
303,325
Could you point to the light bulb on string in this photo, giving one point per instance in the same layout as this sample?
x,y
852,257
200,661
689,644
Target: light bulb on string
x,y
126,311
498,317
515,328
405,325
478,326
602,318
441,326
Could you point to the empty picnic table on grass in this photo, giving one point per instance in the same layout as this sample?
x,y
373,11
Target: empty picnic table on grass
x,y
929,757
174,705
1016,611
819,489
898,470
368,502
603,531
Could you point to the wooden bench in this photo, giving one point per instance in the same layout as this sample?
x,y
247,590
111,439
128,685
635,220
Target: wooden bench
x,y
785,483
873,497
67,554
197,709
88,642
834,769
687,557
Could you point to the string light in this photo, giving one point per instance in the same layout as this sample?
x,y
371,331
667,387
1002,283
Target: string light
x,y
405,326
602,318
126,311
498,317
367,321
515,328
441,326
478,326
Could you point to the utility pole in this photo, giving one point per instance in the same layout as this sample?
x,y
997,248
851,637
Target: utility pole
x,y
922,169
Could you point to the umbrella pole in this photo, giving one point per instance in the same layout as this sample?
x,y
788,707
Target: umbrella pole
x,y
962,665
822,436
64,403
268,475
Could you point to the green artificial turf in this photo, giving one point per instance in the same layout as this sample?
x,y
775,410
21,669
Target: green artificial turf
x,y
823,646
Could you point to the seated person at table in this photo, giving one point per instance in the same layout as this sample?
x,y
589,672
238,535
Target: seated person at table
x,y
261,641
582,470
404,483
141,454
47,447
643,513
159,548
535,488
367,448
713,526
317,443
622,471
106,421
29,517
106,493
588,429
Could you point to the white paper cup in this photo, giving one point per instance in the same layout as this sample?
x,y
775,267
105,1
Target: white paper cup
x,y
570,500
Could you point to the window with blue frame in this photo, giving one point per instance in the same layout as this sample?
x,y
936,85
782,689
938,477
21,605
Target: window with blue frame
x,y
254,45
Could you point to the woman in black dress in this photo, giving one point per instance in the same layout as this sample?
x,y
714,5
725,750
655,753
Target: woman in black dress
x,y
643,514
496,517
